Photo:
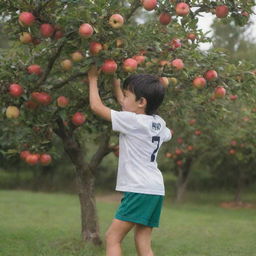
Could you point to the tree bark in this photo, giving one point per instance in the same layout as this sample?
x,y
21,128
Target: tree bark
x,y
85,180
183,177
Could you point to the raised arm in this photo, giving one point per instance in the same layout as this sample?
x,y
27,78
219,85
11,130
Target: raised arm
x,y
118,91
96,104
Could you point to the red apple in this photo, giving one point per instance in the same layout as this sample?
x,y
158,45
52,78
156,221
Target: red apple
x,y
221,11
179,163
62,101
220,92
175,43
178,151
24,154
139,58
182,9
165,18
245,14
66,64
26,19
178,64
199,82
180,140
116,21
32,159
168,155
130,65
233,143
233,97
58,34
191,36
12,112
109,67
45,159
30,104
210,75
95,48
164,81
78,118
232,151
46,30
41,98
149,5
192,121
85,30
77,56
34,69
190,148
197,132
25,38
15,90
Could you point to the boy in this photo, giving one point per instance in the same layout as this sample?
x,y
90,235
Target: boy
x,y
141,134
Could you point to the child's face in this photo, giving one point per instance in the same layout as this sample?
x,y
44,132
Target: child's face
x,y
131,105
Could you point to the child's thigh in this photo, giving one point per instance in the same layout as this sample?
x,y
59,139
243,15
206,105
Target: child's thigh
x,y
118,229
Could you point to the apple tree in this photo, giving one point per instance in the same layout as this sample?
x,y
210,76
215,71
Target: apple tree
x,y
52,44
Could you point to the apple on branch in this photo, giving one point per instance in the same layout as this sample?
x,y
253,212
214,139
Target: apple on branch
x,y
109,67
211,75
15,90
139,58
130,65
199,82
26,19
66,64
32,159
25,38
62,101
34,69
182,9
220,92
149,5
164,81
95,48
165,18
12,112
178,64
46,30
45,159
221,11
78,118
116,21
85,30
77,56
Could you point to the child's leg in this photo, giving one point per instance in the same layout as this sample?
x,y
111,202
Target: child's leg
x,y
142,236
114,236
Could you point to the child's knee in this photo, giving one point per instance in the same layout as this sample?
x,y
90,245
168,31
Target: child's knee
x,y
111,238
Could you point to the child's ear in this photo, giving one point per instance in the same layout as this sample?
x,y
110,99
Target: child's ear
x,y
142,102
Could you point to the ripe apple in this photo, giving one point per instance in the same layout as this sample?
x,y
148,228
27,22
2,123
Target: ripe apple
x,y
165,18
221,11
191,36
190,148
233,143
116,21
85,30
199,82
220,92
45,159
109,67
24,154
164,81
192,121
149,5
182,9
15,90
197,132
179,163
26,19
178,151
175,43
178,64
12,112
180,140
173,80
25,38
168,155
62,101
233,97
78,118
30,104
32,159
130,65
41,98
139,58
34,69
66,64
58,34
77,56
232,151
210,75
46,30
245,14
95,48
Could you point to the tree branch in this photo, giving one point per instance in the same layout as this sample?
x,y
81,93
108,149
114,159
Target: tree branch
x,y
134,6
71,78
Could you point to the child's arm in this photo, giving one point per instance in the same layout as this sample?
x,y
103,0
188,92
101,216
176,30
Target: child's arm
x,y
95,101
118,91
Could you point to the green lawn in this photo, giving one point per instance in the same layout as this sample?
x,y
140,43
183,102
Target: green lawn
x,y
37,224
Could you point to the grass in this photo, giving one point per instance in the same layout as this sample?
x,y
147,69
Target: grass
x,y
41,224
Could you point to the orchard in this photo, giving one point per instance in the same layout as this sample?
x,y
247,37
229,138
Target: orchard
x,y
44,86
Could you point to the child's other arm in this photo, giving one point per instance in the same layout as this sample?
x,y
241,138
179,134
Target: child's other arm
x,y
95,101
118,91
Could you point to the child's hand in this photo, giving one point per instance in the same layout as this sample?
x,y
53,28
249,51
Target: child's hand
x,y
116,82
93,74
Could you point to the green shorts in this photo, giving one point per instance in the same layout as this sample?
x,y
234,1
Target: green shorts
x,y
139,208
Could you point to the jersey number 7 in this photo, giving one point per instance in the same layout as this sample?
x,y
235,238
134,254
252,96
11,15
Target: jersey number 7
x,y
155,139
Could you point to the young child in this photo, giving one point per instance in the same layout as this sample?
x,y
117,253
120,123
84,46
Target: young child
x,y
141,134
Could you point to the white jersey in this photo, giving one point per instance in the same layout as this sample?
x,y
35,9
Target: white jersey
x,y
139,141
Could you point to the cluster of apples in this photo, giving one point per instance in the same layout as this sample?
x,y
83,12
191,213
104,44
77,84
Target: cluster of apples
x,y
183,9
35,158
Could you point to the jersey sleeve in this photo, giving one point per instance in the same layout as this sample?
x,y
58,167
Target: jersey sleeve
x,y
124,121
167,135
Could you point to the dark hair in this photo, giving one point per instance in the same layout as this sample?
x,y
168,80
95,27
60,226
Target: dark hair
x,y
147,86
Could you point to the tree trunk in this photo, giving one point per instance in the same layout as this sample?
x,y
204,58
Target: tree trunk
x,y
183,175
239,187
85,179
